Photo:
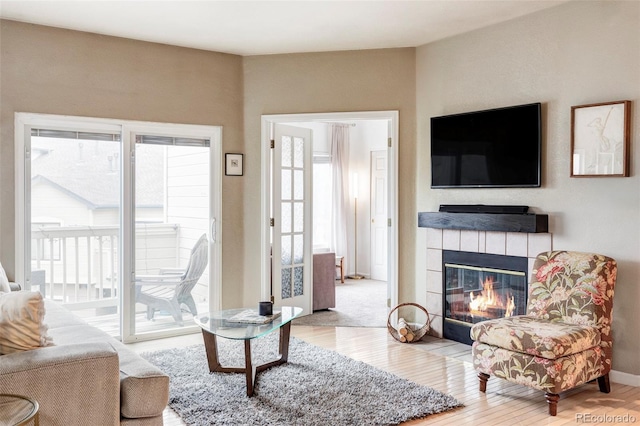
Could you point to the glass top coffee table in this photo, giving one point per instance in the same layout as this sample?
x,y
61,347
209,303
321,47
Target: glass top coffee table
x,y
223,324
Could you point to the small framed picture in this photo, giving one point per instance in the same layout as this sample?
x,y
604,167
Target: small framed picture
x,y
600,140
233,166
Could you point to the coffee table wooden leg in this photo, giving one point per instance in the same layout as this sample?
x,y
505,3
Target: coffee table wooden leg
x,y
285,333
211,348
250,369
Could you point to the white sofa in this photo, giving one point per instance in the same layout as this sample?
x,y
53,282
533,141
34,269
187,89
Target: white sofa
x,y
86,378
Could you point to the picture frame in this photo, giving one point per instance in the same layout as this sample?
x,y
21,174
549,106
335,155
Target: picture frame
x,y
234,165
600,139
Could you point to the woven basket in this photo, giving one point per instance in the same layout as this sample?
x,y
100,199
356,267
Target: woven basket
x,y
418,333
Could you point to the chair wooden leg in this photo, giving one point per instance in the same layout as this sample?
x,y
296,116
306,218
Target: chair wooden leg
x,y
483,381
552,399
603,383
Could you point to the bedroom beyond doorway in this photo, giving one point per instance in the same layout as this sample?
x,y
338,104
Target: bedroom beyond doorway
x,y
359,303
373,142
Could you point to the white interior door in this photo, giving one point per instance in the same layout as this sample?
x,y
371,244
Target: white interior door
x,y
379,228
292,222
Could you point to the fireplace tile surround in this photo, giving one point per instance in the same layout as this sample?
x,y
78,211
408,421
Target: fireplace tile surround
x,y
527,245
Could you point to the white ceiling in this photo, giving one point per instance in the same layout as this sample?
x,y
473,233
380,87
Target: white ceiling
x,y
270,27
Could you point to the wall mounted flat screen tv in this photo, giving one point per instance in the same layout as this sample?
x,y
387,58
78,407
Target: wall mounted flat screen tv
x,y
494,148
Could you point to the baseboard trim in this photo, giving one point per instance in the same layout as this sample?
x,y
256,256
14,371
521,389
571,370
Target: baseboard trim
x,y
624,378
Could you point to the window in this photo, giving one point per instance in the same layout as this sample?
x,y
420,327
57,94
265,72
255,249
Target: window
x,y
322,201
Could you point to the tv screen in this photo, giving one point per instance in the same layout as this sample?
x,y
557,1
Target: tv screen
x,y
494,148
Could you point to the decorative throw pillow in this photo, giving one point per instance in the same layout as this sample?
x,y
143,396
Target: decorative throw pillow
x,y
21,322
4,281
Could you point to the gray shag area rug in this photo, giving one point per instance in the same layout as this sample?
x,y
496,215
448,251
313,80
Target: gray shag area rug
x,y
316,387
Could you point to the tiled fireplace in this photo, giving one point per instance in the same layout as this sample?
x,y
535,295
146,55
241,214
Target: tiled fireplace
x,y
479,287
504,246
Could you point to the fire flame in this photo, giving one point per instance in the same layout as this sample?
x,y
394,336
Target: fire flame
x,y
489,299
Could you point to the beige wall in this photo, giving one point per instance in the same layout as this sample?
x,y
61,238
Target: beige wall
x,y
578,53
575,54
55,71
372,80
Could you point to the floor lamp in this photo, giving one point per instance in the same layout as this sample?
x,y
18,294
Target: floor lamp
x,y
355,275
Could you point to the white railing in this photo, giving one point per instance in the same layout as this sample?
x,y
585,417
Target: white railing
x,y
78,266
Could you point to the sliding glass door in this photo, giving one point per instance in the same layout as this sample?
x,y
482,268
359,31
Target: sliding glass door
x,y
117,220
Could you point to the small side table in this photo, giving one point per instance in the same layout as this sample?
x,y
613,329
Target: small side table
x,y
340,265
16,410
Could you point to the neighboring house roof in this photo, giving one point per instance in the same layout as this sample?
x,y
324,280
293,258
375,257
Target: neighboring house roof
x,y
89,171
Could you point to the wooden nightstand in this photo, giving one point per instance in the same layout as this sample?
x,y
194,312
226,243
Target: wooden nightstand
x,y
340,265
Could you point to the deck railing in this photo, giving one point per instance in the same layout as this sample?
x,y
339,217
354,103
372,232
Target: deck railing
x,y
78,266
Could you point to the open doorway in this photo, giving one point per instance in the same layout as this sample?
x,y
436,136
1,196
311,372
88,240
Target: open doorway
x,y
371,235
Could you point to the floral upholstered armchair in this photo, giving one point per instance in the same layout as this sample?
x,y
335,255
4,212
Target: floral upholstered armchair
x,y
564,340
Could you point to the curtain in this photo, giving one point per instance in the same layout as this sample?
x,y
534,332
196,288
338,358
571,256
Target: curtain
x,y
340,190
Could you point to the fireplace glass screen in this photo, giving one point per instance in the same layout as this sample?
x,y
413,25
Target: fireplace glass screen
x,y
474,294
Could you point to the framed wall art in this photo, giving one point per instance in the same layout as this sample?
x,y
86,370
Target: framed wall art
x,y
233,165
600,139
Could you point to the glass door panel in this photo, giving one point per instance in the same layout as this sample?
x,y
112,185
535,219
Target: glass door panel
x,y
74,209
172,232
292,232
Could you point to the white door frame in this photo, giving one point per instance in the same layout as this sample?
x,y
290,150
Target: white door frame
x,y
265,208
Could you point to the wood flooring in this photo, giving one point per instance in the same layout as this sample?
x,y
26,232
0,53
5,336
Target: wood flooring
x,y
446,366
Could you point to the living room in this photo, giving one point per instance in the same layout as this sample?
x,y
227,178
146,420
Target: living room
x,y
573,54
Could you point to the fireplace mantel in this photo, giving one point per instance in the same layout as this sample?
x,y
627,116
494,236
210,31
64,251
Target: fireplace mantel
x,y
501,222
